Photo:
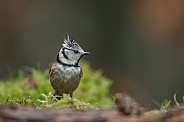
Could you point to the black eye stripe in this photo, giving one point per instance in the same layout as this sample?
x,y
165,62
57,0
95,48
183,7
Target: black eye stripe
x,y
75,51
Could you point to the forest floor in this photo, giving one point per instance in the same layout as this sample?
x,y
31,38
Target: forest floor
x,y
27,96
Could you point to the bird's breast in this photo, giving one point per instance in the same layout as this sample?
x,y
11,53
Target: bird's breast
x,y
65,78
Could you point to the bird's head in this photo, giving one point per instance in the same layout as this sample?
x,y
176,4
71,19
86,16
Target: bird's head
x,y
71,52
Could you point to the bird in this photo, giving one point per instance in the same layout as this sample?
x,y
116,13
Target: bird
x,y
65,74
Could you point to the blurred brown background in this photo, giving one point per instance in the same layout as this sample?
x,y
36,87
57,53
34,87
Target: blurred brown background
x,y
138,43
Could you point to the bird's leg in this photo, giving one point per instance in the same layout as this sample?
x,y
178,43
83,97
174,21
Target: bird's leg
x,y
57,96
55,93
71,95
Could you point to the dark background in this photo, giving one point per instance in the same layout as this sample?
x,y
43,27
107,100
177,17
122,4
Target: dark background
x,y
138,43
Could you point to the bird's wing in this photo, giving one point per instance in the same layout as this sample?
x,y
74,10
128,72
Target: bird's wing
x,y
55,78
81,74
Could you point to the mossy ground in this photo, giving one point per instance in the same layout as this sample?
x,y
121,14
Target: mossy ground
x,y
34,90
166,105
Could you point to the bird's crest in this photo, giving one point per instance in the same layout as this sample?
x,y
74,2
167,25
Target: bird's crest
x,y
69,42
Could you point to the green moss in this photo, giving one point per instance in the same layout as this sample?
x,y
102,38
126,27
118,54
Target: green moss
x,y
165,106
93,90
66,102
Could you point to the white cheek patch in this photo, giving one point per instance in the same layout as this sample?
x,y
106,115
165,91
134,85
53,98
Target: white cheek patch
x,y
67,61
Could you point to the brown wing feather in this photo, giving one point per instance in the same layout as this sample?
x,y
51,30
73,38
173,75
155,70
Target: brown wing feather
x,y
54,76
81,74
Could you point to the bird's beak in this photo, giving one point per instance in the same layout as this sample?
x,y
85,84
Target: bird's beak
x,y
86,53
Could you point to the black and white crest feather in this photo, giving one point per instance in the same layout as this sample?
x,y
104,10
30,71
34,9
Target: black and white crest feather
x,y
70,42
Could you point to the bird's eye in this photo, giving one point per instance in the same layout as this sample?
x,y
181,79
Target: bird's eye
x,y
76,51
